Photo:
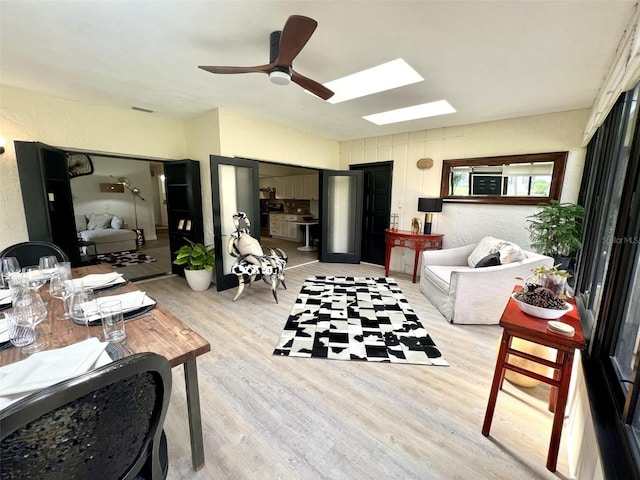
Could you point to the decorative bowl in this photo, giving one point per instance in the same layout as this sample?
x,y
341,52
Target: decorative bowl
x,y
540,312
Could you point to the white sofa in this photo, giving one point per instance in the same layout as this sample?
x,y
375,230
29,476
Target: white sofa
x,y
468,295
107,233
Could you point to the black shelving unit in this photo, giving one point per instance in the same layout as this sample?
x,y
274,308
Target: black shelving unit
x,y
46,195
184,205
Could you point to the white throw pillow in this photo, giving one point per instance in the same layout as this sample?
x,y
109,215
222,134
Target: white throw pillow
x,y
486,246
116,223
97,221
248,245
509,252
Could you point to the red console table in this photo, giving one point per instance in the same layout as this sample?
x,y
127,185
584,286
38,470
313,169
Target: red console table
x,y
415,241
518,324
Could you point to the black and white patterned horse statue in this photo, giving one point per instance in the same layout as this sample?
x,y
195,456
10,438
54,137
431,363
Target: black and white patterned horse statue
x,y
253,259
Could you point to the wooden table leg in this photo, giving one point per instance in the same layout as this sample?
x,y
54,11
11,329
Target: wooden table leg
x,y
415,264
387,259
558,416
553,392
498,375
193,410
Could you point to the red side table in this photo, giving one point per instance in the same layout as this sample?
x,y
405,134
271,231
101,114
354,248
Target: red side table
x,y
415,241
518,324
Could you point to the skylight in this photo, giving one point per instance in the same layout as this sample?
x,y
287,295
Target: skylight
x,y
432,109
393,74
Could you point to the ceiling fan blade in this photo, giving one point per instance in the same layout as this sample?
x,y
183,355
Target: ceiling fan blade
x,y
258,69
314,87
296,33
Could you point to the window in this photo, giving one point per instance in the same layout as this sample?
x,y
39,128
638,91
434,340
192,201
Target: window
x,y
608,285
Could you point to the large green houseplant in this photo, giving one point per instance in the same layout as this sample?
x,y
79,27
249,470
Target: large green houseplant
x,y
556,230
198,260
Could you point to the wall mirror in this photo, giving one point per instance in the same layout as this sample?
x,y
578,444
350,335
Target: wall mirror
x,y
512,179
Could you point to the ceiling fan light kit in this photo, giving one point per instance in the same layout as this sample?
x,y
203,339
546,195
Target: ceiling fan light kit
x,y
279,78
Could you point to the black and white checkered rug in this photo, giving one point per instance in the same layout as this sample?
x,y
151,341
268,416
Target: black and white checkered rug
x,y
122,259
356,318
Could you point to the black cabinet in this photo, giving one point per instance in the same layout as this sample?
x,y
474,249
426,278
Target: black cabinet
x,y
184,205
46,196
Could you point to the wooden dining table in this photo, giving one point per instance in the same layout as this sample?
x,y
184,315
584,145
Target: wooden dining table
x,y
157,331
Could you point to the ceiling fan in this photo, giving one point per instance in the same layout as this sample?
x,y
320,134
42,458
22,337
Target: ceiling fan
x,y
285,46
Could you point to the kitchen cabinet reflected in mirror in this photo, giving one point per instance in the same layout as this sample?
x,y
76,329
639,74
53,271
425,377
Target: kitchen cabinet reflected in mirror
x,y
513,179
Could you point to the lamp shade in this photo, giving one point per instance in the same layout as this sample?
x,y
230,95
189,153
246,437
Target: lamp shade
x,y
429,204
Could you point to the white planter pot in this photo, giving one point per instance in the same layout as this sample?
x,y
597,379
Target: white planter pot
x,y
198,280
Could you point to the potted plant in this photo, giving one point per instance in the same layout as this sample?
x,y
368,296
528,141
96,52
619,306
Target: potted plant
x,y
556,231
552,278
198,260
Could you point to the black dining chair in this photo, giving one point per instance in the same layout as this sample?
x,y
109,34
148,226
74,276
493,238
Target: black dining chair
x,y
104,424
29,253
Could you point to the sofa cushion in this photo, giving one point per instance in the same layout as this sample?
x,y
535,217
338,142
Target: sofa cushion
x,y
440,275
490,260
100,220
509,252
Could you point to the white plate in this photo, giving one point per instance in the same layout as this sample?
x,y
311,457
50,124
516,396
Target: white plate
x,y
52,366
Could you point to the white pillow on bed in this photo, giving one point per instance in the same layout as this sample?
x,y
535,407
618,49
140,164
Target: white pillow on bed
x,y
101,220
117,223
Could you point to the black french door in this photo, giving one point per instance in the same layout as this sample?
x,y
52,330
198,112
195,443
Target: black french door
x,y
234,188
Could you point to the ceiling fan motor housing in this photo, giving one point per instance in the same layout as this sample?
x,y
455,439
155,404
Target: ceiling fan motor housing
x,y
277,75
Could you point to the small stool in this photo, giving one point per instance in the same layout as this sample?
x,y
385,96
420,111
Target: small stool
x,y
518,325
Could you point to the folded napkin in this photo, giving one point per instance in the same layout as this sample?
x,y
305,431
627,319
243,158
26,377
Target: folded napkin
x,y
46,368
98,280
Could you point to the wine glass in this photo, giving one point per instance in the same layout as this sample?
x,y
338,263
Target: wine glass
x,y
83,306
48,265
8,265
31,305
61,287
33,277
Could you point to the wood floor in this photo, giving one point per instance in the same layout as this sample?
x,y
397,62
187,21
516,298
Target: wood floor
x,y
267,417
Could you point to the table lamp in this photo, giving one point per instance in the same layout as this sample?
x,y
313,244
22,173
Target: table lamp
x,y
429,206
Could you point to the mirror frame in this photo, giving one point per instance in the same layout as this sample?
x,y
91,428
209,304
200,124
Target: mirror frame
x,y
559,160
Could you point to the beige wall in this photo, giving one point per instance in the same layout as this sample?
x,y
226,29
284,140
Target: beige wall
x,y
465,223
29,116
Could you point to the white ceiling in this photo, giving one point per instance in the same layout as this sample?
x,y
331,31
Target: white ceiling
x,y
490,59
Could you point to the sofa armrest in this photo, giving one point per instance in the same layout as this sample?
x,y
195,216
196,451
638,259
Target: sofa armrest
x,y
450,256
